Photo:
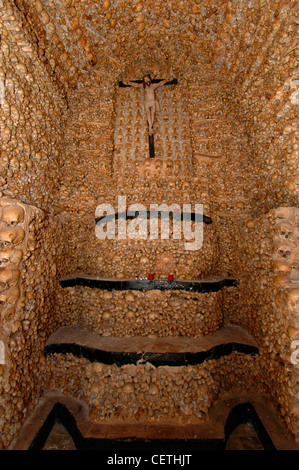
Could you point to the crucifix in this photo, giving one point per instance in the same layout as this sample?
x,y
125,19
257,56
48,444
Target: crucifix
x,y
151,105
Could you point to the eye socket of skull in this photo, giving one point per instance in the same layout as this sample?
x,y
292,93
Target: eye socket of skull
x,y
284,253
5,244
4,260
9,314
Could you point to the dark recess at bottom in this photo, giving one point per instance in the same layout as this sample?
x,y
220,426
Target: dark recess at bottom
x,y
240,414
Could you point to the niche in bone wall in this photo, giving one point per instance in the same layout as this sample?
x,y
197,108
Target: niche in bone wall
x,y
286,267
171,133
15,220
286,245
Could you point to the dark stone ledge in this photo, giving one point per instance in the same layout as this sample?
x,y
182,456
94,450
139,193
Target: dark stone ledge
x,y
202,286
156,359
240,414
158,351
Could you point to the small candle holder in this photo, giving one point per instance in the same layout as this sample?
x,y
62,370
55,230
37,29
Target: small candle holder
x,y
170,277
151,277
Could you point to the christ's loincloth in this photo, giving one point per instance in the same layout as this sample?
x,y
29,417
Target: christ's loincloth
x,y
152,104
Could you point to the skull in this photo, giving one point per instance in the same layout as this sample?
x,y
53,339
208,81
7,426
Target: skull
x,y
10,257
147,162
284,213
284,250
158,164
169,165
293,300
176,167
284,231
12,215
281,266
9,314
147,167
9,297
11,237
8,278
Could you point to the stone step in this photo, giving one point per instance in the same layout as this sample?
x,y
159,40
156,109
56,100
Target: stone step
x,y
230,412
176,352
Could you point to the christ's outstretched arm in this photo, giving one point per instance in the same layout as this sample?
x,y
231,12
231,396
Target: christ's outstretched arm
x,y
134,84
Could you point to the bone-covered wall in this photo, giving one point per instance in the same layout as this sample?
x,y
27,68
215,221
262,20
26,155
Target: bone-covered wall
x,y
225,138
33,110
263,64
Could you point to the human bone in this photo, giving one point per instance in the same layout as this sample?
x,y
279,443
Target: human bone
x,y
9,297
293,300
10,257
8,278
72,135
283,250
12,215
284,231
11,237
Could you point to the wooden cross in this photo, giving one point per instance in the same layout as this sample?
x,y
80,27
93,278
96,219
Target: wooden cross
x,y
150,137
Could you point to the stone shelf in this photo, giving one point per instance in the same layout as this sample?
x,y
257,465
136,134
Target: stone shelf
x,y
172,215
177,351
212,284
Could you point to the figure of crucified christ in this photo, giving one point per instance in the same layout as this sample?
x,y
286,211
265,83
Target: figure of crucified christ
x,y
150,104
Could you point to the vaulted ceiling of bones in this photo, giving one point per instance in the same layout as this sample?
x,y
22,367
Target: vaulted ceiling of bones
x,y
80,36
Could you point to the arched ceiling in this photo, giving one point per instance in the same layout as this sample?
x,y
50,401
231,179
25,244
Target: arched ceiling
x,y
85,35
85,39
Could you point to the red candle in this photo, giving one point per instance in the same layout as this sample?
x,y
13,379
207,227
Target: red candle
x,y
151,277
170,277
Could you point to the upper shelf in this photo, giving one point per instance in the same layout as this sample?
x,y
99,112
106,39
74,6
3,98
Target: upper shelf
x,y
212,284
